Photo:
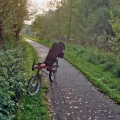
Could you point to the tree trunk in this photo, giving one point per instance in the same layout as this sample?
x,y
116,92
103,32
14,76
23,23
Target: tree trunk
x,y
70,20
17,34
59,32
1,37
17,31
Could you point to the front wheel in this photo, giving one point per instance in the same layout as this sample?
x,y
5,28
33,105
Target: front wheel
x,y
52,74
34,85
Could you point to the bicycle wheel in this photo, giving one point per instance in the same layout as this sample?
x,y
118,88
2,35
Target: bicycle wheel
x,y
52,75
33,85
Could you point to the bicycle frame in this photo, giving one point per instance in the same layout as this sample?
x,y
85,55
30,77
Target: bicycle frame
x,y
41,66
33,88
50,64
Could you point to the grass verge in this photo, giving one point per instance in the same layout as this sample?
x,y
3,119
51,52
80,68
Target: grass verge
x,y
35,107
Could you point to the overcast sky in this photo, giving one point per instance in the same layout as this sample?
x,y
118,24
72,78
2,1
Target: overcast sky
x,y
42,5
41,1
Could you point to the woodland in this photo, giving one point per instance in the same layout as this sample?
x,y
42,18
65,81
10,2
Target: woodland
x,y
85,22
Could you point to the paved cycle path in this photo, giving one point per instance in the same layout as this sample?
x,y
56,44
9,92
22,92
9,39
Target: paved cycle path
x,y
73,97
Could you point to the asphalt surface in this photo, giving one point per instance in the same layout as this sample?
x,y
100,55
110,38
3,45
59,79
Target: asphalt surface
x,y
72,96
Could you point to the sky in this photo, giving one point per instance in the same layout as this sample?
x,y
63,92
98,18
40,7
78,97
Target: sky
x,y
40,1
42,4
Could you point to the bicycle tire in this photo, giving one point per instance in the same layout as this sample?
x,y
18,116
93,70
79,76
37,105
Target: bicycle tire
x,y
34,85
52,75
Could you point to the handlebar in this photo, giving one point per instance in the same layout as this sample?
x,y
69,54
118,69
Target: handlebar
x,y
38,66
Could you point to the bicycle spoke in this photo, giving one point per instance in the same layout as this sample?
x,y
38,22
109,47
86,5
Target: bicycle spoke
x,y
33,85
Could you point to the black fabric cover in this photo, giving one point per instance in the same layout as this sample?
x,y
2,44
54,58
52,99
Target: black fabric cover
x,y
57,50
61,47
52,54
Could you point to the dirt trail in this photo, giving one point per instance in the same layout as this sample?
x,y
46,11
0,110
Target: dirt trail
x,y
73,97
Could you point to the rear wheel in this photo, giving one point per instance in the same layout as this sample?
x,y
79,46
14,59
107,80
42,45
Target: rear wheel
x,y
52,74
34,85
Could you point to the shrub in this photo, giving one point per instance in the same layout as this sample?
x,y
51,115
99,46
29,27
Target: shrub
x,y
108,66
11,80
92,58
116,71
7,105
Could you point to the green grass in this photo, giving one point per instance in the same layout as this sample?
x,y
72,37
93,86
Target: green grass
x,y
35,107
105,81
102,69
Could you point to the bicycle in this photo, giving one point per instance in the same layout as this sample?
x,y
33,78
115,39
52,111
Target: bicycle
x,y
51,64
34,82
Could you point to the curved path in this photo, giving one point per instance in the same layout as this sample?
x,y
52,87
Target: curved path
x,y
73,97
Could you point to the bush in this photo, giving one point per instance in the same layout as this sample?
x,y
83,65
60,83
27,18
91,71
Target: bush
x,y
108,66
92,58
11,80
7,105
116,71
